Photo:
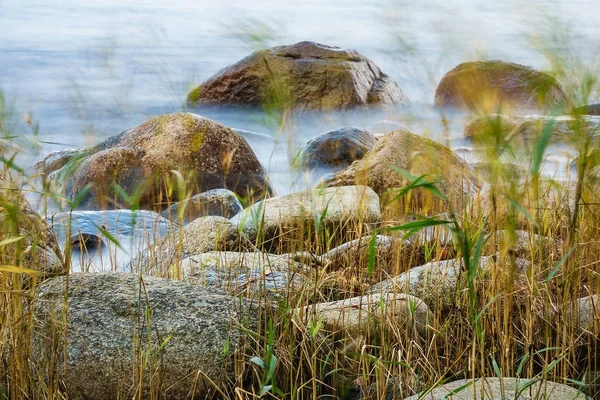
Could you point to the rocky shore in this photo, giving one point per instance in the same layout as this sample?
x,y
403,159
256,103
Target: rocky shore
x,y
391,245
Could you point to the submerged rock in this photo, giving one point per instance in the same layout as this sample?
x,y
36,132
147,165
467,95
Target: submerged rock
x,y
120,325
502,388
488,85
418,156
273,222
216,202
151,161
305,75
336,149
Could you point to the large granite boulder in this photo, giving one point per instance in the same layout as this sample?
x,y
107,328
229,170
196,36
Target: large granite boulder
x,y
336,149
486,85
158,159
305,75
113,335
38,249
281,222
417,155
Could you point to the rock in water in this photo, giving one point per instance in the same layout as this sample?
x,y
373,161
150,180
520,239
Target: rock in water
x,y
147,160
336,149
486,85
280,222
175,333
216,202
417,155
502,388
305,75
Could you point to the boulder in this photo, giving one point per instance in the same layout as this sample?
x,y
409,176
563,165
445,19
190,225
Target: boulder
x,y
586,314
38,248
501,388
529,127
217,202
487,85
391,253
417,155
439,283
202,235
279,222
251,274
336,149
114,335
153,161
364,315
304,75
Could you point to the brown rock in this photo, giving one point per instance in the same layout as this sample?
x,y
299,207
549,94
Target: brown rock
x,y
38,249
489,84
161,153
305,75
419,156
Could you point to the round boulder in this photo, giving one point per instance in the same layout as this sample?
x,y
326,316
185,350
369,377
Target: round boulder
x,y
489,84
417,155
113,335
336,149
305,75
150,163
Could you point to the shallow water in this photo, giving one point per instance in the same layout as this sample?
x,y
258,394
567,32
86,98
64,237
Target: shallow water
x,y
87,70
126,232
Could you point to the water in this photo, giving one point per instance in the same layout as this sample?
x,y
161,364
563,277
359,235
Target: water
x,y
128,233
87,70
